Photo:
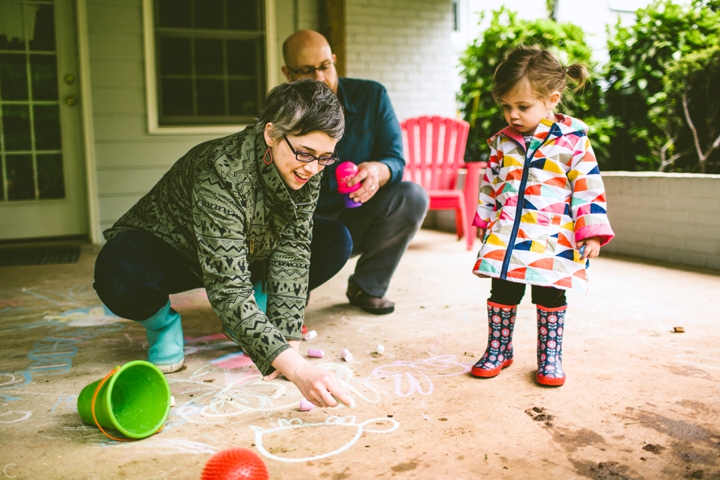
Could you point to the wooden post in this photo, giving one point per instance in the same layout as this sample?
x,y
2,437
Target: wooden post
x,y
332,25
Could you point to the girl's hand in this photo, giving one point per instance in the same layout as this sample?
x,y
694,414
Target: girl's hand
x,y
294,344
592,247
319,386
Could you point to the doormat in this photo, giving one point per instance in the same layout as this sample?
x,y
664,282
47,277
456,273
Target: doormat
x,y
18,256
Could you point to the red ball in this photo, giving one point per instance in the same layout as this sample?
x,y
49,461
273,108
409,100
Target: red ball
x,y
235,464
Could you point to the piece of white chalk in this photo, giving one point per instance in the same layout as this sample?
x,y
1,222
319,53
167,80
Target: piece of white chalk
x,y
316,353
306,406
172,401
310,335
347,356
380,349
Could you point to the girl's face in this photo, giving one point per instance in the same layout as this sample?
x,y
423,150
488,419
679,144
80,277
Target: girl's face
x,y
293,172
523,110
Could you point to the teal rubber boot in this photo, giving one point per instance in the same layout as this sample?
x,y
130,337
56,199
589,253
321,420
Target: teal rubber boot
x,y
260,296
165,338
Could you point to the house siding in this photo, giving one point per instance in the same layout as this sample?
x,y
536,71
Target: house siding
x,y
129,160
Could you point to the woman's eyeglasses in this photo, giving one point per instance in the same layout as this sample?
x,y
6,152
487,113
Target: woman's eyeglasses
x,y
306,157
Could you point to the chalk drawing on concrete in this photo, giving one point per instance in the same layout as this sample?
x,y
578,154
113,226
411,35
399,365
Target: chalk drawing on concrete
x,y
216,341
232,361
14,379
412,376
14,416
210,403
5,470
322,433
166,446
357,387
86,317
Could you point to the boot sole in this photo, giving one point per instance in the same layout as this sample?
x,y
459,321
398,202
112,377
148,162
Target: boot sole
x,y
171,368
549,381
484,373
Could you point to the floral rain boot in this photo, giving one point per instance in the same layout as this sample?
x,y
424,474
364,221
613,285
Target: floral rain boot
x,y
551,326
165,338
499,351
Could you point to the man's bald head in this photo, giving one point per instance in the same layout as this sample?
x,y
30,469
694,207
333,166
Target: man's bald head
x,y
307,54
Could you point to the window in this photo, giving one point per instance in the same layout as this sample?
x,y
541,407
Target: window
x,y
31,162
209,61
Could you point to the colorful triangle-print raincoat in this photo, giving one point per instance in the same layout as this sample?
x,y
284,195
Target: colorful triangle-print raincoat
x,y
536,202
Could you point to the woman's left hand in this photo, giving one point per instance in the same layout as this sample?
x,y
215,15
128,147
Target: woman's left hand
x,y
592,247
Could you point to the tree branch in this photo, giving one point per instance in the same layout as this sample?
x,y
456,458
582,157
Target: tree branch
x,y
664,162
701,158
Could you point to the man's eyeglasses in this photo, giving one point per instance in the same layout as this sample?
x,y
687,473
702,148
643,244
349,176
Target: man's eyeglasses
x,y
306,157
310,71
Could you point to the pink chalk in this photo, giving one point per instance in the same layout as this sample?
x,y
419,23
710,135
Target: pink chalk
x,y
346,355
306,406
316,353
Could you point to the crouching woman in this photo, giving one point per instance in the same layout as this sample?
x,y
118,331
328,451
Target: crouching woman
x,y
233,216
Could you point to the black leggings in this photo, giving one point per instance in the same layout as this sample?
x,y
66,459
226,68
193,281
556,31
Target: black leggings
x,y
135,271
511,293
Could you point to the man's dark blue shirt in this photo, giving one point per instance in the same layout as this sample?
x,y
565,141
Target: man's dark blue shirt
x,y
372,133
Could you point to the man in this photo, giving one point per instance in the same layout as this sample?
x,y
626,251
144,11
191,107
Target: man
x,y
392,211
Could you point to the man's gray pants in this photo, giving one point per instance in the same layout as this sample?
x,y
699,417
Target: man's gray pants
x,y
379,231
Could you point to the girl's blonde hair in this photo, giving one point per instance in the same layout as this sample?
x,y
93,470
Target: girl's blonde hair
x,y
544,72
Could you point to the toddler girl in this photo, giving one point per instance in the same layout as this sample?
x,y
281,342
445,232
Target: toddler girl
x,y
541,209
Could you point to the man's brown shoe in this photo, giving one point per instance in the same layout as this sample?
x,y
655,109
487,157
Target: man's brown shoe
x,y
365,301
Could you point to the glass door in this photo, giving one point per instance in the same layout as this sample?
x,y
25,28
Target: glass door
x,y
42,191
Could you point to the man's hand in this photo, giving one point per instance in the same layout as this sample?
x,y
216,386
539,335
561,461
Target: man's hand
x,y
319,386
592,247
373,176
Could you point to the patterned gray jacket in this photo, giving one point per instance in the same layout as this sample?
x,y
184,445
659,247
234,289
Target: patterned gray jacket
x,y
222,208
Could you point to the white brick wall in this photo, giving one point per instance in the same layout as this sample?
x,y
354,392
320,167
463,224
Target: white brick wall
x,y
673,217
405,45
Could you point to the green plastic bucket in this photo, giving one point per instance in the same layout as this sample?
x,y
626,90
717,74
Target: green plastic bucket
x,y
134,400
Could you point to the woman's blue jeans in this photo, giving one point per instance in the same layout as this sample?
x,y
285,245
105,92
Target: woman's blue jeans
x,y
135,271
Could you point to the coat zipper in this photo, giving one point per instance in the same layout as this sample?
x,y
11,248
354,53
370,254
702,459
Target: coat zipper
x,y
521,200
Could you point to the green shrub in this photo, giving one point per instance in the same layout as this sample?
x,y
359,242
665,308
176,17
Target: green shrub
x,y
688,113
481,59
637,89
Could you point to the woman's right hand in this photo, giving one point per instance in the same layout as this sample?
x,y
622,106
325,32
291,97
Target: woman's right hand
x,y
319,386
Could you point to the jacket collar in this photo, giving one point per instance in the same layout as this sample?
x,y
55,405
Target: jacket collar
x,y
563,125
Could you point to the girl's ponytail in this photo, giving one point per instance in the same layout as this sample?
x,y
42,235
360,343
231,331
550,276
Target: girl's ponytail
x,y
579,74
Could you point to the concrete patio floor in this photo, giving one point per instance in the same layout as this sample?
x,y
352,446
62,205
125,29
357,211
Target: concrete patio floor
x,y
640,402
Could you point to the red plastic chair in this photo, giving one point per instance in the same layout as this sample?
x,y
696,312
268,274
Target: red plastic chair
x,y
435,147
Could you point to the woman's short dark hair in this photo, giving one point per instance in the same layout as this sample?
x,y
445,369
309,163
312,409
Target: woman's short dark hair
x,y
300,108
